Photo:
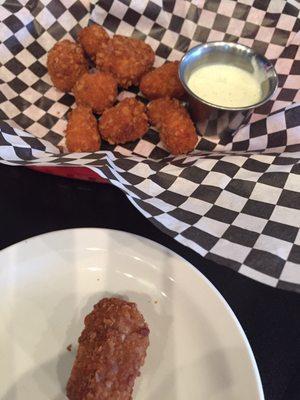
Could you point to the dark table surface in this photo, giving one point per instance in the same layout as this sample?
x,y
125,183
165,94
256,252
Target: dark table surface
x,y
32,203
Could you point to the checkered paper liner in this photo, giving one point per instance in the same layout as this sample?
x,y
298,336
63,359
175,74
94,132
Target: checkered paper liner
x,y
235,203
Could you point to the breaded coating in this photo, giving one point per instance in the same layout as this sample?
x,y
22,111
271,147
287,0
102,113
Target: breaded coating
x,y
66,63
91,39
162,82
82,131
176,129
125,122
112,349
126,58
98,91
157,110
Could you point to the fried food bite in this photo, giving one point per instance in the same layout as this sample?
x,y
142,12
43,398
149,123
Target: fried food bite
x,y
174,124
126,58
125,122
97,90
112,349
162,82
82,131
91,39
157,110
66,63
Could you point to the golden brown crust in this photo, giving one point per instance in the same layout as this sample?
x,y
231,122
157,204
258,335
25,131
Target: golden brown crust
x,y
97,90
112,349
91,39
162,82
82,131
126,58
157,110
66,63
125,122
175,126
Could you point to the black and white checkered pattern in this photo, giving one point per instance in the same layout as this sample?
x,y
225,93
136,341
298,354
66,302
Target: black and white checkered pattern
x,y
236,203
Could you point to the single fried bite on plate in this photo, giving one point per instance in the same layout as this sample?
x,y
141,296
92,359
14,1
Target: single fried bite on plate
x,y
66,63
125,122
91,39
96,90
162,82
176,129
126,58
112,349
82,131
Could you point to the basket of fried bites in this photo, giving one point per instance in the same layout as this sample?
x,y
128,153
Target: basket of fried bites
x,y
95,69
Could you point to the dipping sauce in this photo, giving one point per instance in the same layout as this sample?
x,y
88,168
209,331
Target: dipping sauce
x,y
225,85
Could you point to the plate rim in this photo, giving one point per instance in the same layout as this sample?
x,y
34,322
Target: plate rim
x,y
159,246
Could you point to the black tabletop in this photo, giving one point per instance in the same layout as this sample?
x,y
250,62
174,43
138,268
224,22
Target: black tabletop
x,y
32,203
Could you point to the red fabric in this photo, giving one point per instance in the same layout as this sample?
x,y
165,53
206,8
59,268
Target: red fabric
x,y
81,173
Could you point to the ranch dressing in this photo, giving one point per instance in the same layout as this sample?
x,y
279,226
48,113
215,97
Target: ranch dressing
x,y
225,85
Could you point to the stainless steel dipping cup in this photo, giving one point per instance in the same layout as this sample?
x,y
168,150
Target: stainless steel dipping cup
x,y
215,120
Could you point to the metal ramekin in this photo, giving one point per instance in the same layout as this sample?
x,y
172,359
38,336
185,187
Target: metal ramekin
x,y
215,120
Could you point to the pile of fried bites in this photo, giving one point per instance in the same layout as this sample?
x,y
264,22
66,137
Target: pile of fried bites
x,y
121,62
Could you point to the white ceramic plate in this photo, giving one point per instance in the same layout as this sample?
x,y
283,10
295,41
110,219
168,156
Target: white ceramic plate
x,y
49,283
